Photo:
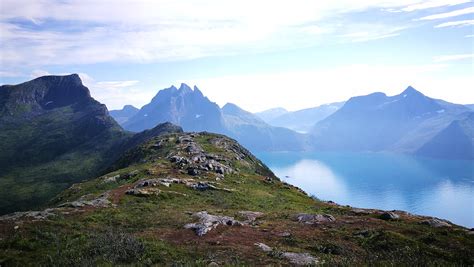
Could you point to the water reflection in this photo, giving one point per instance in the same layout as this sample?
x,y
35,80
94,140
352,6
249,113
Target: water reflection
x,y
432,187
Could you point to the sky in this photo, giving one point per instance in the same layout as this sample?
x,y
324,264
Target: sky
x,y
257,54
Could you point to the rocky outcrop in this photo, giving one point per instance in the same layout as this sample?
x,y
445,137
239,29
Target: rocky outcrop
x,y
299,259
35,215
434,222
314,218
192,158
389,215
207,222
100,202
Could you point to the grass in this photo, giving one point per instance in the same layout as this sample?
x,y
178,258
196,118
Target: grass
x,y
149,230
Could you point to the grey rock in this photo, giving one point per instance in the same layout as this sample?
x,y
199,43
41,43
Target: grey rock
x,y
101,202
143,192
434,222
250,216
263,247
207,222
314,218
300,258
36,215
193,171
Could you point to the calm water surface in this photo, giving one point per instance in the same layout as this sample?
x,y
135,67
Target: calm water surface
x,y
440,188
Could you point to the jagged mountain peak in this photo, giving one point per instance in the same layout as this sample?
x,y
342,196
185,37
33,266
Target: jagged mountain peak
x,y
184,88
411,91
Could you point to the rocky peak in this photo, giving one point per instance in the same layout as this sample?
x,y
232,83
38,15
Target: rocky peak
x,y
410,91
184,89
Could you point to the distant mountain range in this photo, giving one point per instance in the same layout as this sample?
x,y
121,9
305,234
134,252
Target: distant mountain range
x,y
301,120
406,123
122,115
190,109
409,123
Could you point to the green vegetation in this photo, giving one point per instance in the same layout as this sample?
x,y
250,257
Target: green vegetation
x,y
149,230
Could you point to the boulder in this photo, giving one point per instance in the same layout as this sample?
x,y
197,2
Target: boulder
x,y
207,222
250,216
143,192
301,259
315,218
263,247
389,215
436,223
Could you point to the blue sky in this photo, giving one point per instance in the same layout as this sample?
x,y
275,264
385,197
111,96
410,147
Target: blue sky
x,y
257,54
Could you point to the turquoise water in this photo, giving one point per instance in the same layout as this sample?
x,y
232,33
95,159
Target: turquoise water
x,y
433,187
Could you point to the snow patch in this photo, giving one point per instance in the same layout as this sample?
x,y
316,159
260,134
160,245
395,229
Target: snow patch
x,y
440,111
198,116
146,115
49,102
405,95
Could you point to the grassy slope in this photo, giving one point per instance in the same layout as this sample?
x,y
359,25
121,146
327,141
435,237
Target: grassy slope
x,y
40,157
149,230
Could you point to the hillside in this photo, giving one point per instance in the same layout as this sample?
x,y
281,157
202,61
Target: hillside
x,y
54,134
201,198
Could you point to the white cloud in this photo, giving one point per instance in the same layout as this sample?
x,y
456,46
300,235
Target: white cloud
x,y
445,58
162,30
432,4
458,23
455,13
39,73
115,94
10,74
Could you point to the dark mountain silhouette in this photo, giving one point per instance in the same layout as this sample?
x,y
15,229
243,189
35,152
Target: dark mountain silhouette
x,y
53,134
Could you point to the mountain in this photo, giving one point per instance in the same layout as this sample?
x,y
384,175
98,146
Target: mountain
x,y
305,119
53,134
455,141
253,132
376,122
184,106
190,109
122,115
270,114
470,106
201,199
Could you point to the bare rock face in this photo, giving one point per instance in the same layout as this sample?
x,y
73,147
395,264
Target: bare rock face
x,y
314,218
207,222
